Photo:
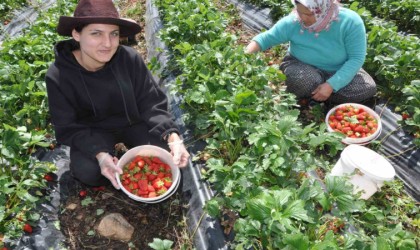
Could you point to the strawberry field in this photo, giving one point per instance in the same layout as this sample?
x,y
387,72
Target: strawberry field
x,y
265,157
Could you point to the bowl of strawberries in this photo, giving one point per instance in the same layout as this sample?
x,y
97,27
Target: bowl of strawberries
x,y
359,123
149,174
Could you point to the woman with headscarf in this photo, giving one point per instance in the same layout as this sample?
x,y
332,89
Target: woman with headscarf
x,y
327,49
101,93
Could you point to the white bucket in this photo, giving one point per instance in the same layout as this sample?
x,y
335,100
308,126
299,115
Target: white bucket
x,y
366,168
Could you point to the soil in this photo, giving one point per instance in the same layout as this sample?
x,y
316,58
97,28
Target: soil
x,y
81,215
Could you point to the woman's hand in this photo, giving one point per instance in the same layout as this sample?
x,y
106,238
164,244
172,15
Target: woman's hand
x,y
179,152
252,47
322,92
108,165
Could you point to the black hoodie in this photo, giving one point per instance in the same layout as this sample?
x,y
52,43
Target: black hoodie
x,y
120,94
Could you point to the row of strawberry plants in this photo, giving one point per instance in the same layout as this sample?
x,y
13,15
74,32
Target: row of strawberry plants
x,y
405,13
394,60
24,122
7,8
259,151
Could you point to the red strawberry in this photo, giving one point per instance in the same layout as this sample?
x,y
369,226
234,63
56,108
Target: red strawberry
x,y
27,228
83,193
167,182
158,184
48,177
162,190
405,116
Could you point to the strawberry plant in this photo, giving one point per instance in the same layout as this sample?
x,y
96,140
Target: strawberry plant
x,y
6,9
198,20
405,13
24,118
411,113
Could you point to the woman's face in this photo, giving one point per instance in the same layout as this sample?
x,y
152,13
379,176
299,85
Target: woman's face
x,y
98,44
307,17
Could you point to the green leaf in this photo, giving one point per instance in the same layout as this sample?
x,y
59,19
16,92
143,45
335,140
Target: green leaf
x,y
297,241
99,211
87,201
159,244
212,208
381,244
297,211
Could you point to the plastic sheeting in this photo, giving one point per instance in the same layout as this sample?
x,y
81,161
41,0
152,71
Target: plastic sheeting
x,y
46,234
400,150
24,18
397,147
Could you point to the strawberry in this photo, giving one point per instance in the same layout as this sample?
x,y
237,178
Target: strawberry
x,y
140,163
152,176
158,184
161,175
82,193
167,182
48,177
405,116
27,228
152,195
162,190
150,188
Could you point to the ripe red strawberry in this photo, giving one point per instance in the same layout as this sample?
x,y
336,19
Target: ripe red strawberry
x,y
48,177
405,116
27,228
83,193
167,182
158,184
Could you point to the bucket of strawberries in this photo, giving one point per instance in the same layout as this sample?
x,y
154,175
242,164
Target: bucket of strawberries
x,y
359,123
149,174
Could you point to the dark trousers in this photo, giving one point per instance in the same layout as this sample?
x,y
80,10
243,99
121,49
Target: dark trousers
x,y
302,79
86,169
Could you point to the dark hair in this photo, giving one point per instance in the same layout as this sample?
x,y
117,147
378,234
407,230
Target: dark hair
x,y
79,27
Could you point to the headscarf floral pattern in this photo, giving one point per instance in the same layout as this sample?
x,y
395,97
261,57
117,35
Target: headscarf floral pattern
x,y
325,11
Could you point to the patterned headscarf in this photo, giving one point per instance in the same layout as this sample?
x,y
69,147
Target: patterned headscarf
x,y
325,12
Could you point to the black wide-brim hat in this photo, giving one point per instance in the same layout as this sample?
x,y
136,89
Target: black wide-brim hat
x,y
96,11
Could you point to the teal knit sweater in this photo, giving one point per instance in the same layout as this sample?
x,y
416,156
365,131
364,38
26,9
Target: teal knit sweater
x,y
341,49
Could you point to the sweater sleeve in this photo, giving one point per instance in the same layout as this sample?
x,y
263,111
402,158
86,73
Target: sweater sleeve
x,y
275,35
355,45
64,119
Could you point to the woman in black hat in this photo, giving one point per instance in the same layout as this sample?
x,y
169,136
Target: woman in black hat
x,y
101,93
